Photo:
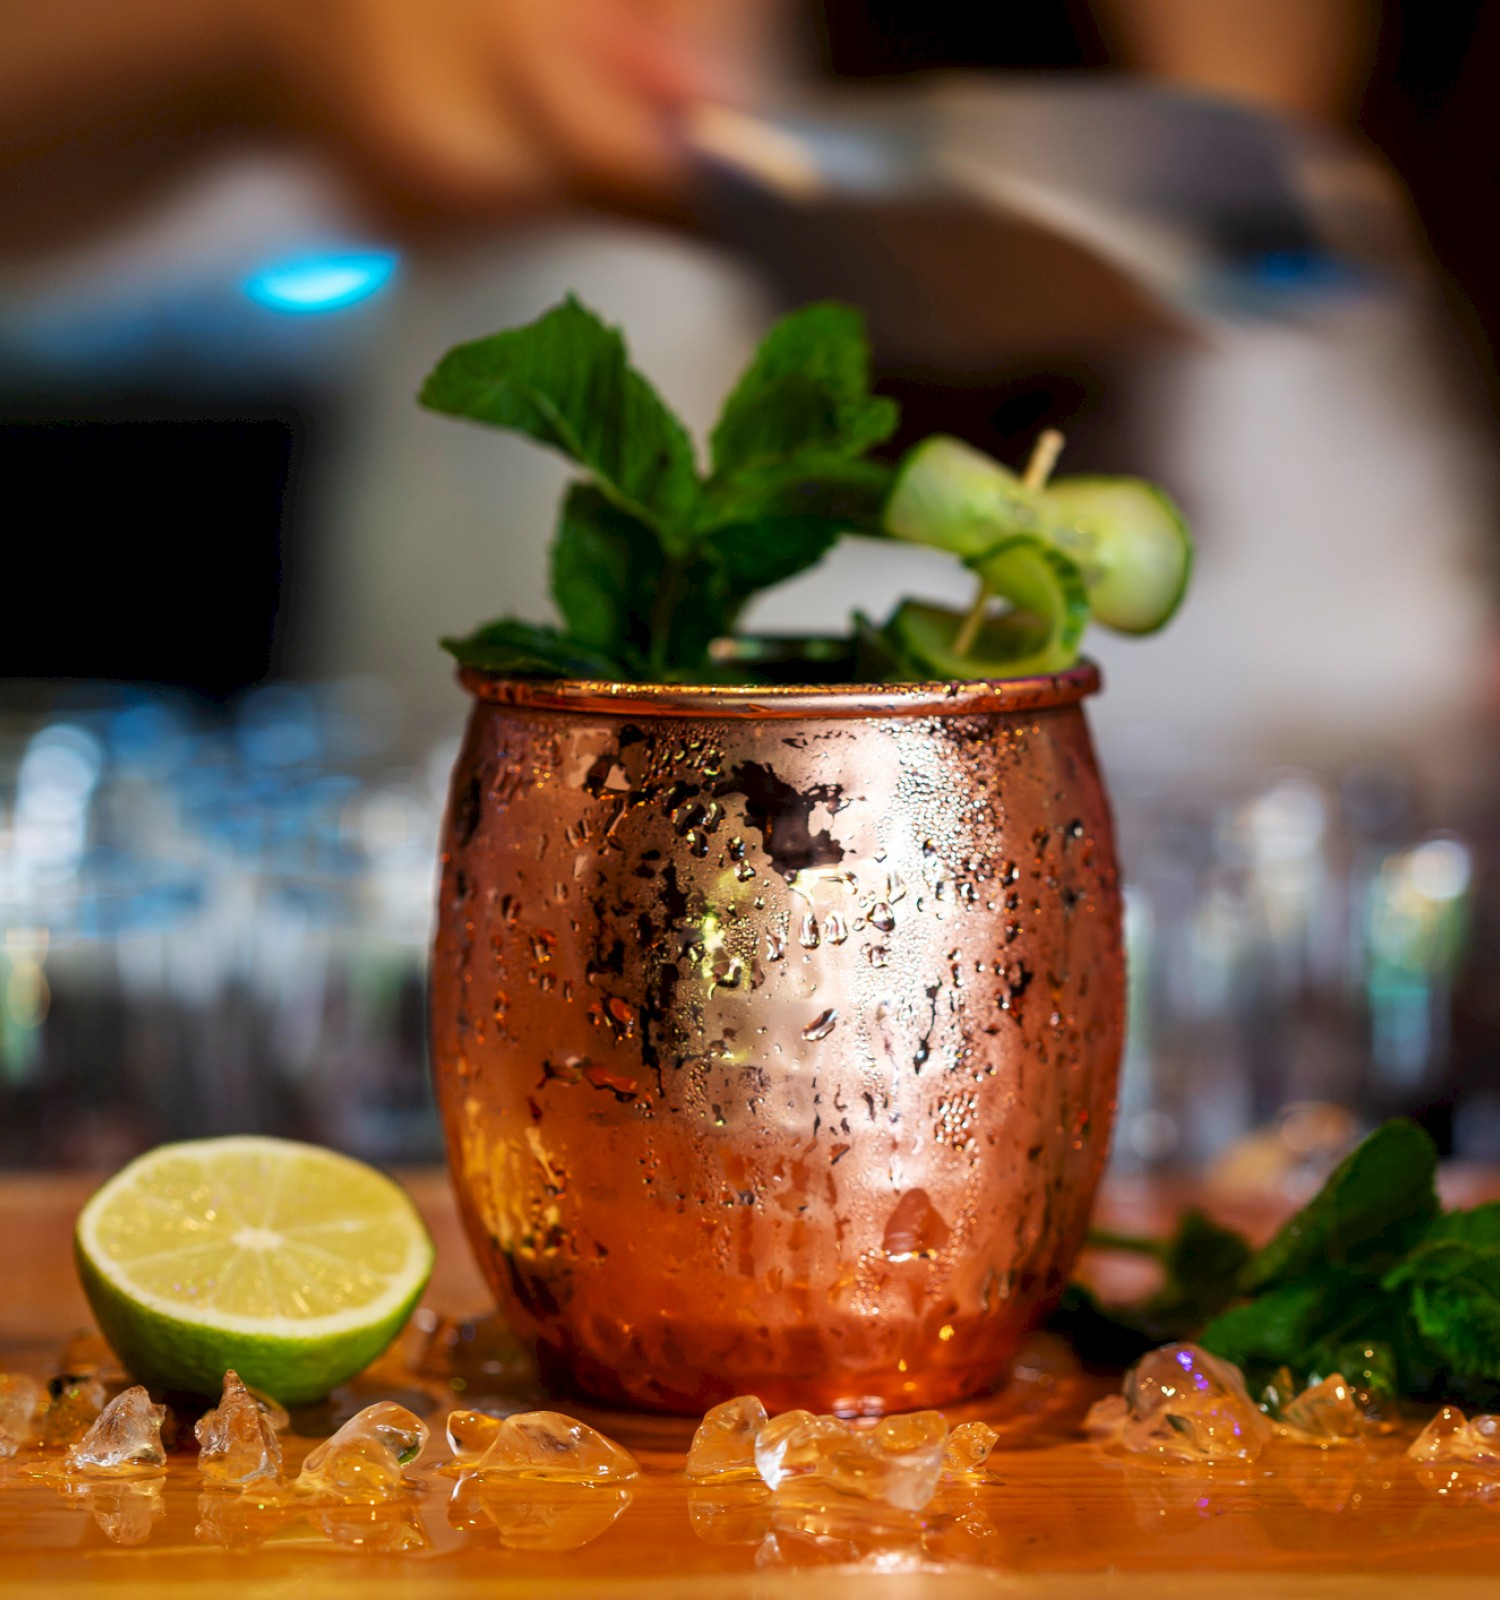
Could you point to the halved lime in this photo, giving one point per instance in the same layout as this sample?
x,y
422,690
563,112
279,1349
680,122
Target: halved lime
x,y
292,1264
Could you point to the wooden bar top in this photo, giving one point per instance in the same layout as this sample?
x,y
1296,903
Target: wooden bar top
x,y
1057,1517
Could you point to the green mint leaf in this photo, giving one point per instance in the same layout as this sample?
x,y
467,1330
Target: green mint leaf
x,y
806,391
847,496
1373,1208
566,381
524,650
1452,1277
606,572
1201,1264
1282,1325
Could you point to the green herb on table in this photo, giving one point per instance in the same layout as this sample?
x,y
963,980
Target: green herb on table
x,y
656,557
1371,1278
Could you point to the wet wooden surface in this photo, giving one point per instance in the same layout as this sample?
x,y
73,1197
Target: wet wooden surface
x,y
1056,1518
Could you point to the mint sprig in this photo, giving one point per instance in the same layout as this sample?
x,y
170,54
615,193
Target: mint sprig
x,y
654,559
1371,1271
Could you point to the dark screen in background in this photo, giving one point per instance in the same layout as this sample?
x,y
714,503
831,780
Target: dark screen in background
x,y
145,549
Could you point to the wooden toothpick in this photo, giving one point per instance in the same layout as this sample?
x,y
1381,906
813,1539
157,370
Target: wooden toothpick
x,y
1044,454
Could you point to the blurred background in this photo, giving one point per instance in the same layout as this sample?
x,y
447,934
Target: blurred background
x,y
1243,247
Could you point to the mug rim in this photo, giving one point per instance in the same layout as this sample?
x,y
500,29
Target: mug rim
x,y
1043,692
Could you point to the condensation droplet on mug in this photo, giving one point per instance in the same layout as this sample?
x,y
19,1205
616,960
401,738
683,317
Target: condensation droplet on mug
x,y
775,947
820,1026
809,938
835,928
882,917
879,955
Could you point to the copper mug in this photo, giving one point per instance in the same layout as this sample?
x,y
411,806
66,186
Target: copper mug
x,y
776,1031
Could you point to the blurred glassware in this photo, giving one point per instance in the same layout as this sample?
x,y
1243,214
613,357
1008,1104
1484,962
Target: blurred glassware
x,y
213,923
1294,948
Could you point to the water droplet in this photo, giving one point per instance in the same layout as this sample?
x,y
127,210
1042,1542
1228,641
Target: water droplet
x,y
808,938
835,927
775,947
697,842
879,955
727,970
895,888
820,1026
542,945
744,871
882,917
736,848
929,849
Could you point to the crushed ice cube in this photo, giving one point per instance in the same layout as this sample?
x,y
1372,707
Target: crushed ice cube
x,y
125,1440
470,1434
899,1461
730,1513
76,1402
723,1448
389,1529
126,1510
1182,1404
363,1460
1452,1439
547,1444
968,1449
793,1445
237,1442
22,1400
554,1516
1324,1414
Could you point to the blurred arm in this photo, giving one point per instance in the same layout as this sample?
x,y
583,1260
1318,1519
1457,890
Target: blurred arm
x,y
437,105
1306,57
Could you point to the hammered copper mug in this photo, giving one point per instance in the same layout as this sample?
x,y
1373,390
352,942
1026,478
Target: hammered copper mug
x,y
776,1031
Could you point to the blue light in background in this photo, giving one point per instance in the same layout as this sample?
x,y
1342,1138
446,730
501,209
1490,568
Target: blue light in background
x,y
328,281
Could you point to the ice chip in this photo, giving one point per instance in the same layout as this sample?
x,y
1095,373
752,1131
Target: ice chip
x,y
1324,1414
898,1462
470,1434
362,1462
22,1401
237,1442
793,1445
1183,1404
125,1440
968,1449
126,1510
1452,1439
554,1516
723,1448
76,1402
546,1444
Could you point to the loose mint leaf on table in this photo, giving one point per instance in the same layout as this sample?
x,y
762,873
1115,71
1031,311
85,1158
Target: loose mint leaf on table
x,y
1201,1264
565,381
1452,1280
1373,1208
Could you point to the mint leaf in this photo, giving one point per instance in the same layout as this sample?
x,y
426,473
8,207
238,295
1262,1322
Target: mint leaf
x,y
1373,1208
807,391
1201,1265
606,572
1281,1326
565,381
1452,1277
524,650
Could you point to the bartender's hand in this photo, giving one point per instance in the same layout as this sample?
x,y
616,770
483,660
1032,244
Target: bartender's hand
x,y
478,104
466,106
